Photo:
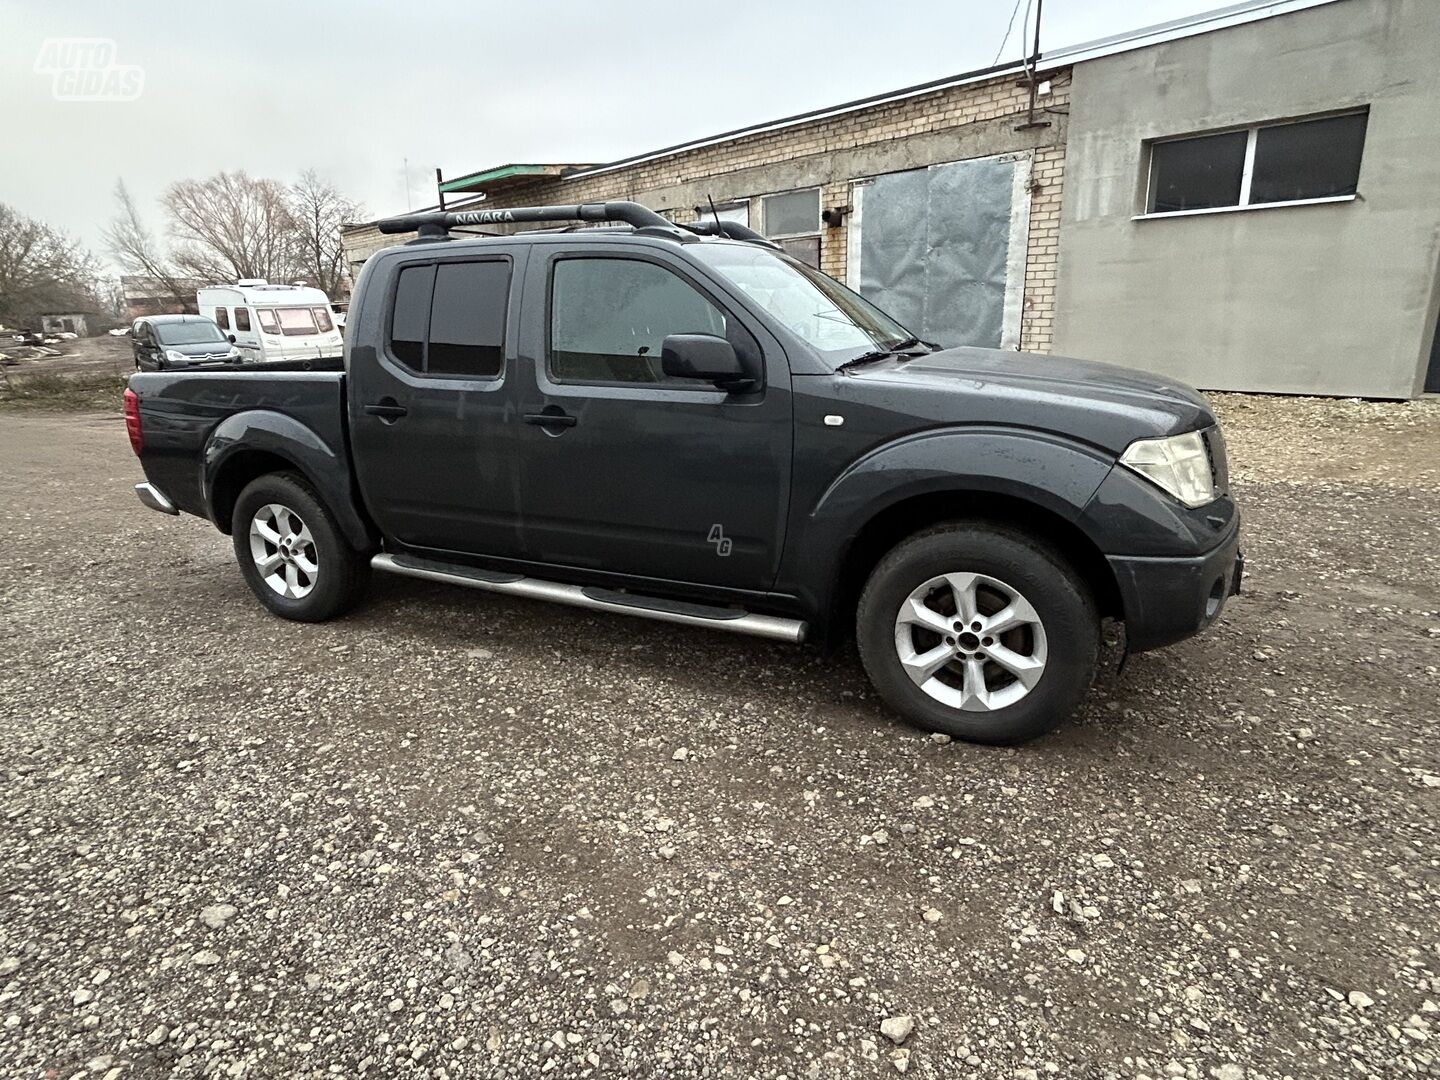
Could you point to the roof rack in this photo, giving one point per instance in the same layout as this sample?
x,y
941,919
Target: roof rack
x,y
436,226
733,230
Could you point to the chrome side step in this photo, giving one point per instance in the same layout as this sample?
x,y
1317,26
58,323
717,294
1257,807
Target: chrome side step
x,y
646,607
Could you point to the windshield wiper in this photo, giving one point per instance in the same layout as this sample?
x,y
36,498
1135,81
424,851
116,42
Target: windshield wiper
x,y
901,351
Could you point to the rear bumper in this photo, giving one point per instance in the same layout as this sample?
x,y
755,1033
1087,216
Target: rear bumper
x,y
155,499
1167,600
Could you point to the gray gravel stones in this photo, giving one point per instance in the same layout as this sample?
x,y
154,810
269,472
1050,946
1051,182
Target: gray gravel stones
x,y
217,915
897,1028
479,837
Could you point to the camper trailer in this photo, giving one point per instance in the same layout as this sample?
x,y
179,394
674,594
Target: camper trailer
x,y
272,322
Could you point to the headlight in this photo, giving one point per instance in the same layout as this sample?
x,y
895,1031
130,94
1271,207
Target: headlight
x,y
233,354
177,356
1179,464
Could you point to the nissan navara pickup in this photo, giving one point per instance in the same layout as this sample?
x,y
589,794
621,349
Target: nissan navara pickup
x,y
683,423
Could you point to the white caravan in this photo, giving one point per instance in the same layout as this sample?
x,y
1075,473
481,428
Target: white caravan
x,y
272,322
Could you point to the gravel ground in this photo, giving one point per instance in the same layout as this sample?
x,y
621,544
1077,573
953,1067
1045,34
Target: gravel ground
x,y
102,355
460,836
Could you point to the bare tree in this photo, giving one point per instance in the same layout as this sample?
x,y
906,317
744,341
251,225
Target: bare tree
x,y
231,226
136,249
319,210
42,269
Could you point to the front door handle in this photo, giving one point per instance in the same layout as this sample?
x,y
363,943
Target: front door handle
x,y
388,409
553,418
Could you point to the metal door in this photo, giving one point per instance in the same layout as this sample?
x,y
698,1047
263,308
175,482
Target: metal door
x,y
942,249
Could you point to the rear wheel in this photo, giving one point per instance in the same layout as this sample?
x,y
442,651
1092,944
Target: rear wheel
x,y
292,553
978,631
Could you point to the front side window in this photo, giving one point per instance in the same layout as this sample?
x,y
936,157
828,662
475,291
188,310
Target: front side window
x,y
1259,166
242,318
222,318
837,323
609,317
268,321
450,319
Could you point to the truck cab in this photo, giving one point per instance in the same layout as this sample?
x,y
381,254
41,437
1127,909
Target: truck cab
x,y
687,424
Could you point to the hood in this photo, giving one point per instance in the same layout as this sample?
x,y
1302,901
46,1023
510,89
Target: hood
x,y
201,350
1102,404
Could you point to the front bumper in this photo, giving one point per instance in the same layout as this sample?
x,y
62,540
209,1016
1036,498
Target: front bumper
x,y
1168,599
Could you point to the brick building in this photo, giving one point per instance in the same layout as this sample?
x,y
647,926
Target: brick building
x,y
781,178
1096,217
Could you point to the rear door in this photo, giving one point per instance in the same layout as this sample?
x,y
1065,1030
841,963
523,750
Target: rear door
x,y
432,422
626,470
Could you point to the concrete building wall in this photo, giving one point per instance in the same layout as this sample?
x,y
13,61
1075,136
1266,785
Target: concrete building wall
x,y
968,121
1327,299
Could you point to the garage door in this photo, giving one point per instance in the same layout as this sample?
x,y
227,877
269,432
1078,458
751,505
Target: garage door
x,y
943,248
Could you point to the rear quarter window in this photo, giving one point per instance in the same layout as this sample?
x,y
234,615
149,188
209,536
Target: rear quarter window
x,y
448,319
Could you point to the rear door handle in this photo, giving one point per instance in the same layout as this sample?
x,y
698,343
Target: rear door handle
x,y
386,409
551,419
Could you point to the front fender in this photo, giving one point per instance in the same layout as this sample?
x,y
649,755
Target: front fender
x,y
1044,470
325,467
1038,467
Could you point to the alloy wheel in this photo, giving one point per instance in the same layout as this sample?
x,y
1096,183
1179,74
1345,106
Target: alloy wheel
x,y
970,641
284,551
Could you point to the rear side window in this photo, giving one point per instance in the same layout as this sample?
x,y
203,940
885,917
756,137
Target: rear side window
x,y
242,318
222,318
449,319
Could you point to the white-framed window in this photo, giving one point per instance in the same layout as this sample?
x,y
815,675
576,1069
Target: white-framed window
x,y
1316,159
792,219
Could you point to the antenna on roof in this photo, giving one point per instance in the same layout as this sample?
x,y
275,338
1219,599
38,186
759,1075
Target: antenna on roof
x,y
713,211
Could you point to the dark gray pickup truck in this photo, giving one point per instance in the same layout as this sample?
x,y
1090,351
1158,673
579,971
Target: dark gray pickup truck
x,y
685,424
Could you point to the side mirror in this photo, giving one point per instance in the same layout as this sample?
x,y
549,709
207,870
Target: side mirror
x,y
703,356
231,337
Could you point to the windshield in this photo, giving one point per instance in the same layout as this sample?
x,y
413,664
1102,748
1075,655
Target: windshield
x,y
298,321
838,323
188,333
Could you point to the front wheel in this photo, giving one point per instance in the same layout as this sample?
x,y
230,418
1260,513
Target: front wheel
x,y
978,631
291,551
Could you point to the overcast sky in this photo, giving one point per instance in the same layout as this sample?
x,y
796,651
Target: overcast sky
x,y
355,88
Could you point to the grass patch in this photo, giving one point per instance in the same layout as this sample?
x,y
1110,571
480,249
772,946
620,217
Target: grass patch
x,y
68,392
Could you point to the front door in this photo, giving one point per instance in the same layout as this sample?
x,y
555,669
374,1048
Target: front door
x,y
431,418
626,470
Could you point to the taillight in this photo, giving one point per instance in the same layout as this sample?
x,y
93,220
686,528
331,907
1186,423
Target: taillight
x,y
132,422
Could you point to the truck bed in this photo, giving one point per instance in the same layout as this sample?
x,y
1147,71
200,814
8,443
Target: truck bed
x,y
182,414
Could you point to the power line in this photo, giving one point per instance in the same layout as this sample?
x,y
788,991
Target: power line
x,y
1008,27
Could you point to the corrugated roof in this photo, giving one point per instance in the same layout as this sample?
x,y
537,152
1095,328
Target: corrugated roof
x,y
497,176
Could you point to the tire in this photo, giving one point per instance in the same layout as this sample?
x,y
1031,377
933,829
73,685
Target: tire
x,y
1049,660
316,573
